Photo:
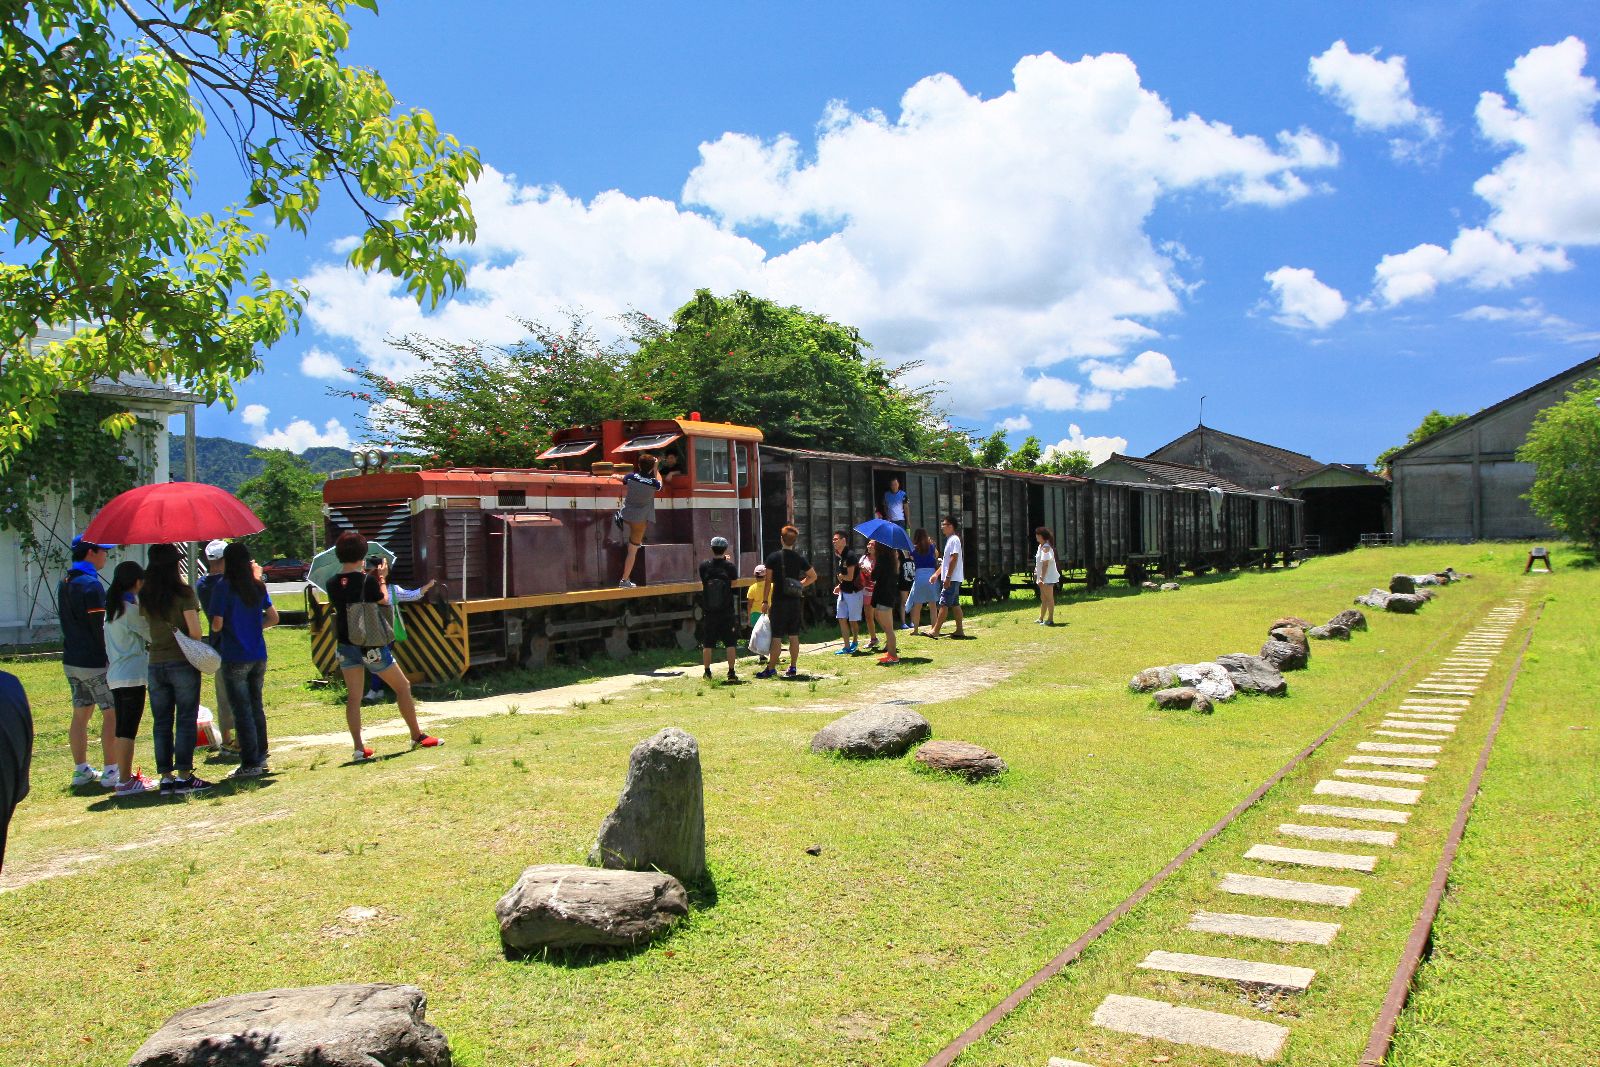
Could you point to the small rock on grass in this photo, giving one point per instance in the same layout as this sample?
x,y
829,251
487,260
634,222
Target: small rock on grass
x,y
1291,620
1153,678
1332,631
1349,618
563,905
1402,583
1252,674
1182,698
1170,587
872,733
1403,603
311,1026
1284,656
972,762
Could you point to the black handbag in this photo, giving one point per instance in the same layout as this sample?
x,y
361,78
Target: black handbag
x,y
795,587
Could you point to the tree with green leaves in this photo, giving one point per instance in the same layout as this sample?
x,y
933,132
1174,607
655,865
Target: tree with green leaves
x,y
1069,461
287,497
1433,422
1026,457
102,103
480,405
992,451
1564,447
803,378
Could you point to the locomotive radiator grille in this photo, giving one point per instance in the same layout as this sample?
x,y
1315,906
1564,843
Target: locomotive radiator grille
x,y
385,521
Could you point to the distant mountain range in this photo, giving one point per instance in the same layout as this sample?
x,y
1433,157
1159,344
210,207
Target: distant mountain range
x,y
229,464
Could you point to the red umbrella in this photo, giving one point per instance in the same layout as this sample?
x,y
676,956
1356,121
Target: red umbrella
x,y
171,511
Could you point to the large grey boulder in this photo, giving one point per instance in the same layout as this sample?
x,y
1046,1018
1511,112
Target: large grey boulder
x,y
972,762
1210,680
1332,631
563,905
1182,698
1350,619
1252,674
1403,603
313,1026
873,732
1284,656
659,822
1402,583
1152,678
1375,599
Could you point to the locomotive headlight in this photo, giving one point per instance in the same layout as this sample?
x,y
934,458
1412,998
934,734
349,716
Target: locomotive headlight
x,y
374,460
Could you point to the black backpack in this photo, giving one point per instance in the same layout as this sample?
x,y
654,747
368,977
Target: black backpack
x,y
717,594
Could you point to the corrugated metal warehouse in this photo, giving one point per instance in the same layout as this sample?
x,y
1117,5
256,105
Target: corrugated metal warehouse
x,y
1465,484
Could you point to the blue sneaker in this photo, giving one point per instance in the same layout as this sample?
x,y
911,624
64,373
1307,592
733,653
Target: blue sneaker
x,y
846,650
770,672
791,673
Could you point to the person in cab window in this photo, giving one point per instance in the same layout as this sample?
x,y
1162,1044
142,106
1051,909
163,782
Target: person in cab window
x,y
719,607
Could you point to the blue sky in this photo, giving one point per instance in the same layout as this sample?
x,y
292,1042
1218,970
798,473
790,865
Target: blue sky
x,y
1078,216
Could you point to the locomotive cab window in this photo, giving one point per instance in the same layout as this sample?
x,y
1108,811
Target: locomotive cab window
x,y
741,456
711,461
569,455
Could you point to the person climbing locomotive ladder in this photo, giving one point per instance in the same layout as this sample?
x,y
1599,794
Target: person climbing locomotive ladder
x,y
638,510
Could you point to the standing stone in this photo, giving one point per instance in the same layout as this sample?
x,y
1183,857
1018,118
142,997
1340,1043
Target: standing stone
x,y
1403,603
1350,619
972,762
1181,699
563,905
873,732
1332,631
1284,656
313,1026
1210,680
1252,674
1402,583
1153,678
659,822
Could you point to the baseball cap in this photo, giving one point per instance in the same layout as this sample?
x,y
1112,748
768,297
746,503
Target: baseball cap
x,y
215,549
79,542
719,542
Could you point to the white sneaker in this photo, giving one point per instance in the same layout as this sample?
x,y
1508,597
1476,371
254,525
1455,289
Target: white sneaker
x,y
109,778
84,775
625,584
136,786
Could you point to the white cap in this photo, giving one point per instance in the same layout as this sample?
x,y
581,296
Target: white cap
x,y
214,549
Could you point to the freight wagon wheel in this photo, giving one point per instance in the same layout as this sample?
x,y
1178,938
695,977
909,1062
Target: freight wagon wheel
x,y
685,633
617,646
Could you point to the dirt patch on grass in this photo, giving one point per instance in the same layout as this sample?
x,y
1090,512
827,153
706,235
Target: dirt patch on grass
x,y
933,687
63,864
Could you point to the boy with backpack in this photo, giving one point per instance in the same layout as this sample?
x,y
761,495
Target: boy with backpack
x,y
719,607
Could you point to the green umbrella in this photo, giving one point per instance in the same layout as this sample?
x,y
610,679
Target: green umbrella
x,y
324,565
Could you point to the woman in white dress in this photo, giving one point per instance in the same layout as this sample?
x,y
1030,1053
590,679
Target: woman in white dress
x,y
1047,574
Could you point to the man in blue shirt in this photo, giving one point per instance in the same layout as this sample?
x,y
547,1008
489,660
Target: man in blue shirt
x,y
894,503
16,751
81,607
203,589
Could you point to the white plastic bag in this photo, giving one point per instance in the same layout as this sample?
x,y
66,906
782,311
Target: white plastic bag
x,y
761,636
205,729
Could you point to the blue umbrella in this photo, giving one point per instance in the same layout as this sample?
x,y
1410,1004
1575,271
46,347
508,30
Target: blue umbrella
x,y
886,533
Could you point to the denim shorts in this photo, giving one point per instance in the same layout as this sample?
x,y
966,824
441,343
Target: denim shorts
x,y
353,657
950,595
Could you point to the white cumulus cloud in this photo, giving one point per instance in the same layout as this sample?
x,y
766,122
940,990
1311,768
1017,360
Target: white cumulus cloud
x,y
320,363
1147,370
999,241
254,415
1532,316
1098,448
300,435
1305,302
1543,198
1476,258
1548,190
1015,424
1376,94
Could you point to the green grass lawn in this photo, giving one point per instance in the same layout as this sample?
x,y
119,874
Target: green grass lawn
x,y
930,900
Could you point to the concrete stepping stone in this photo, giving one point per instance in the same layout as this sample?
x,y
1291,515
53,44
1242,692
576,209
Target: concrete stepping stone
x,y
1250,885
1445,689
1440,702
1057,1061
1392,761
1334,811
1307,857
1383,776
1405,733
1386,794
1246,972
1339,833
1432,716
1385,746
1191,1026
1264,928
1431,725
